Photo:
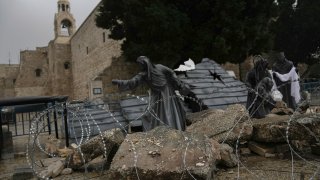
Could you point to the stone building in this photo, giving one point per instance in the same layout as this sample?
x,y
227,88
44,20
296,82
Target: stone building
x,y
47,70
8,77
78,63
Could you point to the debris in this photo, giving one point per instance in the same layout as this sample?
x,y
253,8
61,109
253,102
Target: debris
x,y
22,172
200,164
269,155
260,149
245,151
169,160
19,154
74,146
65,152
45,174
66,171
56,168
95,147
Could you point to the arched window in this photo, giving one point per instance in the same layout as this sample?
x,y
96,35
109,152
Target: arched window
x,y
66,27
63,7
66,65
38,72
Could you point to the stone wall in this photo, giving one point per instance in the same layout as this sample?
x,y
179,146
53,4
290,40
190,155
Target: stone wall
x,y
92,52
244,68
31,91
32,61
8,76
60,65
231,67
123,70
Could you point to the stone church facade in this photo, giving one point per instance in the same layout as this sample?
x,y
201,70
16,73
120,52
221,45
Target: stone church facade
x,y
79,63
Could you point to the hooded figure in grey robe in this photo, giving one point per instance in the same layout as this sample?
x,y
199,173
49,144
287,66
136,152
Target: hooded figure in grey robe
x,y
259,82
165,108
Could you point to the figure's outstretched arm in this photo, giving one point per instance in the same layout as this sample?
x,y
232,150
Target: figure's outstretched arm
x,y
130,84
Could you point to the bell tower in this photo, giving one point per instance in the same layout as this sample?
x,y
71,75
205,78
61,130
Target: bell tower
x,y
64,23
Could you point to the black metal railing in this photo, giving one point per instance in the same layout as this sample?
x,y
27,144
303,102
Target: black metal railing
x,y
17,114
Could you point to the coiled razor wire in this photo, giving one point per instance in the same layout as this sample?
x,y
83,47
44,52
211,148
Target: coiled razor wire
x,y
85,121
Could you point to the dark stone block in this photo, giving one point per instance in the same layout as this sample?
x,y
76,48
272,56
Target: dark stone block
x,y
22,173
315,149
7,142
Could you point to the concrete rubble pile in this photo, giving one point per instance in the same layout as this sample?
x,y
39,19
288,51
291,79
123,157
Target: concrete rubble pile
x,y
223,125
93,154
208,142
164,153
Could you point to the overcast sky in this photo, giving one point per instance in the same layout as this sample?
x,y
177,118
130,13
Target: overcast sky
x,y
27,24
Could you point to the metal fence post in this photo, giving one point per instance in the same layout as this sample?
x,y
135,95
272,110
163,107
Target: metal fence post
x,y
1,137
55,120
65,117
48,119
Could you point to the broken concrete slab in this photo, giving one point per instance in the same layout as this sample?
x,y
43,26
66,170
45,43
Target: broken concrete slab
x,y
223,125
48,161
245,151
274,129
66,171
164,153
107,143
97,164
56,168
260,149
228,158
45,174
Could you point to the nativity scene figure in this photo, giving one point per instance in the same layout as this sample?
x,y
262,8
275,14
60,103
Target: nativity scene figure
x,y
164,108
259,83
287,80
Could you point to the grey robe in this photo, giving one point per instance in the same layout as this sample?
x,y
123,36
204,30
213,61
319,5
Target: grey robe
x,y
165,107
258,80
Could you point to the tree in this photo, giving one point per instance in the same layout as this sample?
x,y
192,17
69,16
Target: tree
x,y
171,31
297,30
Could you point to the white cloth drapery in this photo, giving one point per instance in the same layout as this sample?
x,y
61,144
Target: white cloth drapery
x,y
293,77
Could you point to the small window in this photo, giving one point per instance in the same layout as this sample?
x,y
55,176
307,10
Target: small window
x,y
66,65
87,50
38,72
63,7
14,81
104,37
97,91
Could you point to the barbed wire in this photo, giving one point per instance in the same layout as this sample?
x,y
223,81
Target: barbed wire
x,y
88,119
